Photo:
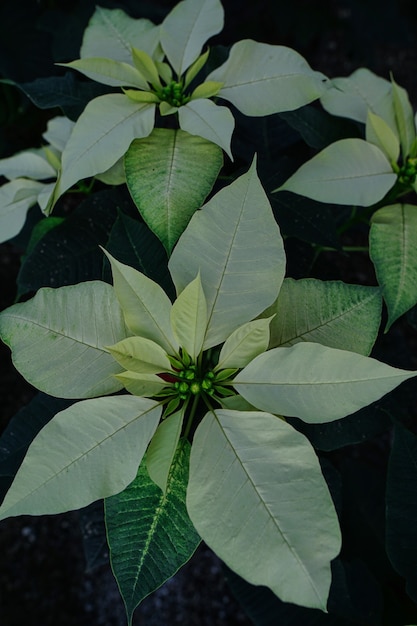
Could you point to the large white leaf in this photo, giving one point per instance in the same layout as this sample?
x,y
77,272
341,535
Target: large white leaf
x,y
109,72
57,339
261,79
58,131
186,29
208,120
30,164
102,135
349,171
236,245
393,250
111,33
89,451
257,497
329,312
316,383
16,198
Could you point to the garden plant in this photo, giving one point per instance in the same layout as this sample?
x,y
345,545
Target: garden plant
x,y
198,379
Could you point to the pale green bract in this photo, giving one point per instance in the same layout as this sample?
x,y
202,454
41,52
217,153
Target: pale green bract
x,y
255,492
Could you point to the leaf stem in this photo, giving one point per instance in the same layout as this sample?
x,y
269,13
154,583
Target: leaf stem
x,y
191,416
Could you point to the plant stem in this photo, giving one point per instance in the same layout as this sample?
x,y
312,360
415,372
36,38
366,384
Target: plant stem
x,y
191,417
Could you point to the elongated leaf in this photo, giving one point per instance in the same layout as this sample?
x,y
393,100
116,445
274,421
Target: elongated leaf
x,y
404,116
240,277
257,497
30,164
169,174
393,250
380,134
189,317
316,383
57,339
150,534
102,135
143,385
16,198
261,79
146,307
332,313
162,449
244,344
109,72
186,29
103,439
208,120
140,355
349,171
111,33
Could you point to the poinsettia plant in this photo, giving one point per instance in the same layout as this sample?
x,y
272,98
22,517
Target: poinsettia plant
x,y
200,445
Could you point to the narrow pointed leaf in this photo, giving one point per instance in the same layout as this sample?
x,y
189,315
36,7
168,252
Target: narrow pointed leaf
x,y
257,497
102,135
140,355
316,383
332,313
208,120
162,449
393,250
150,534
240,278
146,307
143,385
189,318
169,175
186,29
146,67
261,79
57,339
349,171
195,68
109,72
244,344
208,89
380,134
404,116
102,439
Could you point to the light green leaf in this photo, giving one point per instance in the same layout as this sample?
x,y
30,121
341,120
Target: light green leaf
x,y
162,448
150,534
189,318
102,135
393,250
349,171
195,68
380,134
208,120
164,71
404,116
28,164
244,344
45,195
257,497
115,175
57,339
186,29
240,275
86,452
316,383
147,385
169,174
355,95
261,79
111,33
332,313
58,131
146,67
109,72
146,307
207,89
141,96
13,211
140,355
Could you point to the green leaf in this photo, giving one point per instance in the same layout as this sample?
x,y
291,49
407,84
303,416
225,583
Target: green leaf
x,y
404,116
140,355
194,69
149,533
316,383
146,67
16,198
244,344
285,82
147,385
349,171
332,313
57,339
393,250
189,318
109,72
102,135
102,439
111,33
271,520
208,120
240,277
186,29
162,449
208,89
380,134
169,174
146,307
27,164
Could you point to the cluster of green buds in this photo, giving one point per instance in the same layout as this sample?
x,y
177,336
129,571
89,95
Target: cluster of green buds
x,y
407,172
173,93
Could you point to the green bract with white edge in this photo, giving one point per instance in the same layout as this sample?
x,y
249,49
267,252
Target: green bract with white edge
x,y
254,489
